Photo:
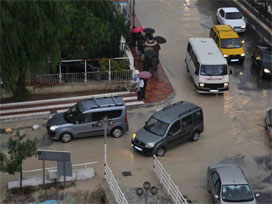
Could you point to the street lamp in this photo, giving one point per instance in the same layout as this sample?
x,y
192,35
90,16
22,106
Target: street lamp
x,y
106,122
146,190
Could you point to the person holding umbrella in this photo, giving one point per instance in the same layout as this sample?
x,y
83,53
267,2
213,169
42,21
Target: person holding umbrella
x,y
144,76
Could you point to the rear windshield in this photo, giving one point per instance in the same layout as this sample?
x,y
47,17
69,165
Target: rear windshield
x,y
233,15
213,70
156,126
230,43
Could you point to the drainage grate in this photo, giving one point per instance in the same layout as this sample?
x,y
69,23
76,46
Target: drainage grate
x,y
126,173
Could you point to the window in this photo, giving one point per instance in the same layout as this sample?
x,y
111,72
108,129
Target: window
x,y
231,43
87,118
189,49
237,193
111,114
217,187
233,15
187,120
221,13
215,177
174,128
212,34
216,40
213,70
156,126
197,116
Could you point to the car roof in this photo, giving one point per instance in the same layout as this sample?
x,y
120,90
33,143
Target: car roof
x,y
103,102
226,31
230,9
231,174
174,111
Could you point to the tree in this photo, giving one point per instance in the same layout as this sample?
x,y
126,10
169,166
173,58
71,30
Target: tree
x,y
18,151
29,34
265,4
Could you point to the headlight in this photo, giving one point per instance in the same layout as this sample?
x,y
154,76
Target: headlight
x,y
150,145
267,70
243,54
226,84
201,84
243,26
133,136
225,55
53,128
50,117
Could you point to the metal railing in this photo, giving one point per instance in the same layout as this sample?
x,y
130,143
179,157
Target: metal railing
x,y
114,187
167,182
68,78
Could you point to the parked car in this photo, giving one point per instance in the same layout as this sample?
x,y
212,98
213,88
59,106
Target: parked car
x,y
84,119
228,184
268,121
231,16
262,59
168,127
229,42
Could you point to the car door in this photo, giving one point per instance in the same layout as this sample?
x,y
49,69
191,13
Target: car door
x,y
215,184
186,127
84,126
174,134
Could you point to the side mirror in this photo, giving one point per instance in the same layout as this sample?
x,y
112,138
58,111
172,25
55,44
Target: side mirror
x,y
257,195
216,196
230,72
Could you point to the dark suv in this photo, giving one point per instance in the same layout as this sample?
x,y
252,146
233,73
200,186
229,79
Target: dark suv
x,y
170,126
262,59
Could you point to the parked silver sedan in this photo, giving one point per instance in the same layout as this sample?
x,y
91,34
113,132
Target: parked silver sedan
x,y
228,184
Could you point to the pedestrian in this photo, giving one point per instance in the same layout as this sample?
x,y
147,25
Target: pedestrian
x,y
140,44
140,89
154,66
157,48
145,84
147,64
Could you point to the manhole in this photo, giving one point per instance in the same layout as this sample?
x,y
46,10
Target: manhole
x,y
126,173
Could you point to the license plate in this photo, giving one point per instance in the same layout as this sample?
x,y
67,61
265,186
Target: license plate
x,y
138,148
214,91
234,60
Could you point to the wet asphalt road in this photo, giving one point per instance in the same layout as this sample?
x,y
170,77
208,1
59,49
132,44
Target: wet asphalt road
x,y
234,131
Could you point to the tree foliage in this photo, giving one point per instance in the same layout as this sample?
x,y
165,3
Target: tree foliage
x,y
18,150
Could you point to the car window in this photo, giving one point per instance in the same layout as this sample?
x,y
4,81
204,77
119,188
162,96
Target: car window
x,y
222,13
111,114
174,128
213,70
87,118
217,187
217,40
197,116
187,120
237,193
233,15
215,177
156,126
230,43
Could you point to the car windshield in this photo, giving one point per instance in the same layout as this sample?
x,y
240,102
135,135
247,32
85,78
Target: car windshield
x,y
230,43
156,126
233,15
213,70
72,114
236,193
267,57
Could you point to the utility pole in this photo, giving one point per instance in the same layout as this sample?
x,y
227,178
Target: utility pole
x,y
133,13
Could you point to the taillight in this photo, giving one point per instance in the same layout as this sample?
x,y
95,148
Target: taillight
x,y
126,117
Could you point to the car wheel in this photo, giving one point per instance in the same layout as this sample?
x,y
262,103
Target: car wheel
x,y
66,137
117,132
161,152
195,136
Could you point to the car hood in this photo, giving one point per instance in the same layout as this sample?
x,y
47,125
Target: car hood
x,y
57,119
234,23
147,137
247,202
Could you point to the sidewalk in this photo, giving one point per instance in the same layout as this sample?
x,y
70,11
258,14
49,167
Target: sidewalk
x,y
157,90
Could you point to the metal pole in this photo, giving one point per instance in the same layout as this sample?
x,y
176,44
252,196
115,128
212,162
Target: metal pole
x,y
43,170
105,142
109,69
133,14
60,76
85,73
64,169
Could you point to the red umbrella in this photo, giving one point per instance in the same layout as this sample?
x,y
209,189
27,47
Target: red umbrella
x,y
145,75
137,29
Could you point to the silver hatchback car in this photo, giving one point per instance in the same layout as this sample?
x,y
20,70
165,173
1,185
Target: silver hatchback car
x,y
228,184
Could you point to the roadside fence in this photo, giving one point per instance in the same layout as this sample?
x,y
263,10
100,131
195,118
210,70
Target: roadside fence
x,y
114,187
167,182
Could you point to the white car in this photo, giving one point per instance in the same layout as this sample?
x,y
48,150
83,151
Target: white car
x,y
231,16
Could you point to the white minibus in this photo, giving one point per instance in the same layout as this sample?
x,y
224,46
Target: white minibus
x,y
207,66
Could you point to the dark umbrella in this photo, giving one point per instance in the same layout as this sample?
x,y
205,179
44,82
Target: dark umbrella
x,y
149,31
150,53
160,39
145,75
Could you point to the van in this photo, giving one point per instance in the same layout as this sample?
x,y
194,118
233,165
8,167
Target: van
x,y
168,127
228,42
85,119
207,66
